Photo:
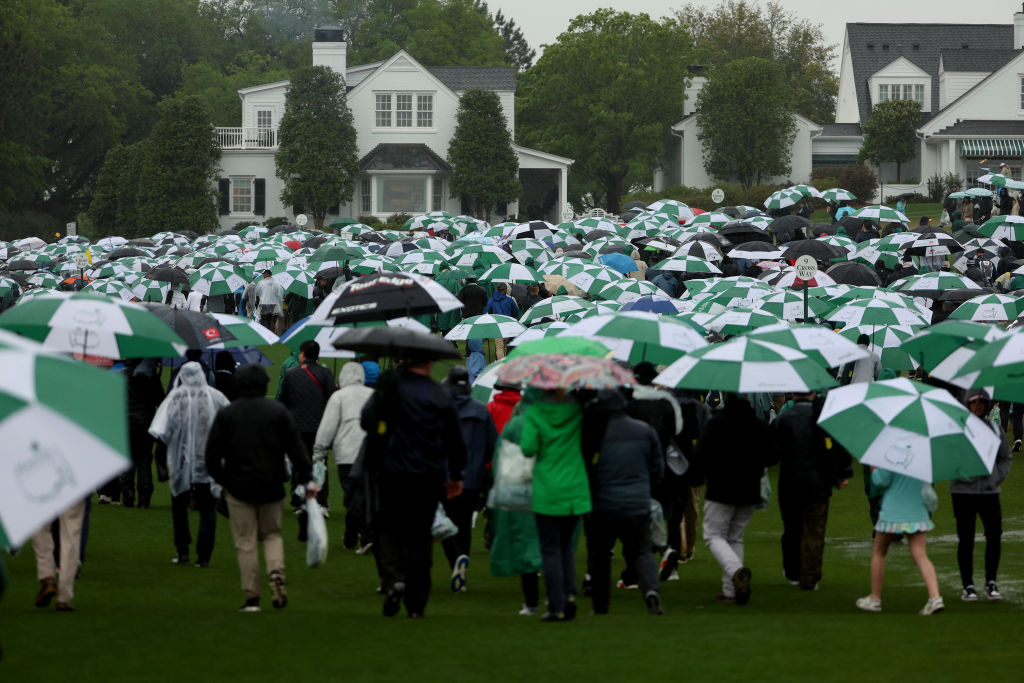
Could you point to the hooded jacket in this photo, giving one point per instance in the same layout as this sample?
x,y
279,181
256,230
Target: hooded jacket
x,y
501,406
551,433
339,428
629,464
480,436
732,453
502,304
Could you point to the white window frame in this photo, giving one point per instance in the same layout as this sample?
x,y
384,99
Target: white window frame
x,y
403,110
269,123
366,195
1021,78
436,193
236,184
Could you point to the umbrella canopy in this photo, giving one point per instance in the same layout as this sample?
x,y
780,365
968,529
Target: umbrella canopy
x,y
487,326
886,342
943,349
789,305
782,198
793,225
746,365
539,331
563,371
756,251
740,319
246,332
619,261
628,290
637,337
390,295
999,363
513,272
910,428
989,308
687,264
94,325
824,346
837,194
933,244
880,213
1004,227
217,279
555,308
395,342
933,284
198,330
697,248
484,386
172,274
820,251
58,448
850,273
656,303
877,312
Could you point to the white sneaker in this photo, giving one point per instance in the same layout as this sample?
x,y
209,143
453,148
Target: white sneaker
x,y
674,576
969,594
528,611
868,604
933,606
992,591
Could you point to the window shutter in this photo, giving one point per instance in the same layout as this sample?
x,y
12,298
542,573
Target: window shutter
x,y
259,190
334,210
224,190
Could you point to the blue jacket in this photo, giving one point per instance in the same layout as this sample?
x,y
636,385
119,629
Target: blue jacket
x,y
502,304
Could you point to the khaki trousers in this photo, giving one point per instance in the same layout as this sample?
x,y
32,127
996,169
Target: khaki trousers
x,y
691,513
500,347
70,545
249,524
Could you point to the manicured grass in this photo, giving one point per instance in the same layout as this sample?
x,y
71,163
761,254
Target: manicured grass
x,y
914,212
141,618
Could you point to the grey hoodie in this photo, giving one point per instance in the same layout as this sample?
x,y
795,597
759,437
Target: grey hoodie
x,y
339,427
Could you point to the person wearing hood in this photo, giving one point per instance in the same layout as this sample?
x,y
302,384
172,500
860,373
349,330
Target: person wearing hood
x,y
731,455
341,432
501,303
473,298
245,453
533,296
145,393
480,436
641,266
864,369
551,433
979,497
475,361
623,475
666,282
224,374
183,423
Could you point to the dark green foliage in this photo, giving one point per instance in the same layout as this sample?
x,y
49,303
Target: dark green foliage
x,y
745,121
889,134
604,94
316,157
860,180
486,167
179,165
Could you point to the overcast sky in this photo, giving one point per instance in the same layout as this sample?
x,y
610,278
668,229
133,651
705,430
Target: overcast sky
x,y
542,20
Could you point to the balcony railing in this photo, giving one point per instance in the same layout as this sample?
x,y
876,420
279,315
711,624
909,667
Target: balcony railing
x,y
247,138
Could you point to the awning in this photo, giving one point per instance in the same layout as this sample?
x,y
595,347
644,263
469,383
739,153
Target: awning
x,y
996,147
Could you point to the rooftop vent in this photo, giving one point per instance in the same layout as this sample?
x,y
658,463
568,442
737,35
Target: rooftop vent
x,y
963,46
916,46
885,46
871,46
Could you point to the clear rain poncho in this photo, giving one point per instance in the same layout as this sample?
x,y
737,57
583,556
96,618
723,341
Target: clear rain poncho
x,y
183,423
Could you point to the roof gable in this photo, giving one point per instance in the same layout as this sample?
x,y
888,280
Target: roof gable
x,y
901,67
956,109
873,46
402,61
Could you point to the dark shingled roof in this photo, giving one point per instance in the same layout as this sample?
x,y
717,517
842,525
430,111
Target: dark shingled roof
x,y
993,128
958,59
839,129
403,156
931,39
460,78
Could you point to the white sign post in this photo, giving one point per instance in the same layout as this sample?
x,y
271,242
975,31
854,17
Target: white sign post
x,y
301,220
717,195
806,268
81,260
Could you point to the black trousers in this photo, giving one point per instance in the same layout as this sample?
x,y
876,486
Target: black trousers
x,y
635,534
140,474
558,558
672,493
460,510
804,519
205,505
407,507
966,509
355,504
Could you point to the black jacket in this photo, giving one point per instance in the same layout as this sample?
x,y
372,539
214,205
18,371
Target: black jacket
x,y
629,465
480,436
811,463
732,453
246,449
473,298
305,396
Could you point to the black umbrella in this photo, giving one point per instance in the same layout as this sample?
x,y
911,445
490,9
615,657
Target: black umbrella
x,y
172,250
126,252
821,251
172,274
851,273
627,216
659,243
791,224
961,295
395,342
217,259
731,211
634,205
332,273
758,245
373,237
20,278
189,234
738,232
819,229
314,242
282,228
852,225
597,234
23,264
711,238
905,195
227,231
142,242
933,243
382,296
196,329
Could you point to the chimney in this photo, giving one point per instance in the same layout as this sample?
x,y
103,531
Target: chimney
x,y
1018,29
697,81
329,48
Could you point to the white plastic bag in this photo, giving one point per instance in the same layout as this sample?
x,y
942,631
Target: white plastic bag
x,y
659,532
316,534
513,479
442,527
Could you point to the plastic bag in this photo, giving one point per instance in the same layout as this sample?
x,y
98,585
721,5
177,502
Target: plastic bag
x,y
766,492
513,479
442,527
929,498
316,530
659,532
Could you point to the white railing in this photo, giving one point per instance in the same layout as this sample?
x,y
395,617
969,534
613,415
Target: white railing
x,y
247,138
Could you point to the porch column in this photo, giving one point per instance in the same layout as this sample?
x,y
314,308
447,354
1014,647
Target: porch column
x,y
563,192
951,155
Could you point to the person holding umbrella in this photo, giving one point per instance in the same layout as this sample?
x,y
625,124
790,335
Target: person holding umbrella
x,y
979,497
269,297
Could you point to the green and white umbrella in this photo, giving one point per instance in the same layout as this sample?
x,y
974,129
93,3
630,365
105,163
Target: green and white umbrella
x,y
540,331
877,312
807,190
112,288
247,332
556,308
672,207
154,291
880,214
886,342
483,388
592,278
64,431
523,249
1000,363
783,198
829,349
687,264
909,428
372,264
639,336
93,325
295,279
600,308
627,290
712,219
943,349
734,297
217,279
43,279
466,256
922,284
486,326
789,305
512,272
838,194
1004,227
989,308
746,365
741,319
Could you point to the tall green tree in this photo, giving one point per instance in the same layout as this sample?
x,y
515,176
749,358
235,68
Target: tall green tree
x,y
736,29
316,155
486,167
604,94
114,209
890,133
180,161
745,121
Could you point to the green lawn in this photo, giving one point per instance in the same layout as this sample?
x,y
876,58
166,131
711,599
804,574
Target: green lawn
x,y
914,213
141,618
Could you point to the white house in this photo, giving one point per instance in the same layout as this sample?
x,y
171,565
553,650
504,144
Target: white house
x,y
969,79
405,116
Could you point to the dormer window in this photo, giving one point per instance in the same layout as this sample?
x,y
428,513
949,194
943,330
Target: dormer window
x,y
901,91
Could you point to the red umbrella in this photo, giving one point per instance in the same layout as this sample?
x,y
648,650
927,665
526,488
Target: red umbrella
x,y
293,245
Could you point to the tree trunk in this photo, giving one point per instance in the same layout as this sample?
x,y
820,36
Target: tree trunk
x,y
613,190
